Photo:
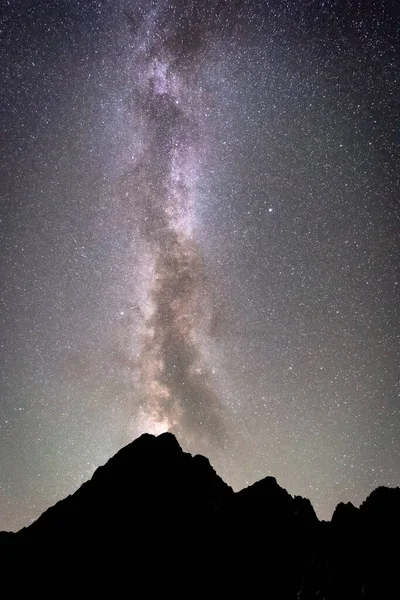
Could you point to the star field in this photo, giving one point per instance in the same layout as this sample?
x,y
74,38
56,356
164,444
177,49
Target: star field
x,y
199,232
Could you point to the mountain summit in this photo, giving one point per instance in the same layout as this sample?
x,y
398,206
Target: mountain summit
x,y
168,513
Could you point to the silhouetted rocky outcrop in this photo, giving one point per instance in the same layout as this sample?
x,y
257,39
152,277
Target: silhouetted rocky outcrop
x,y
155,517
151,478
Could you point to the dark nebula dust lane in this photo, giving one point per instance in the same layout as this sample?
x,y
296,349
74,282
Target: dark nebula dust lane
x,y
199,233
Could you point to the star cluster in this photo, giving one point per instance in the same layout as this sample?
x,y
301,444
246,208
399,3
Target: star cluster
x,y
199,232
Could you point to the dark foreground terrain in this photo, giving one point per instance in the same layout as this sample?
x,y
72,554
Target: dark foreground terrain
x,y
156,520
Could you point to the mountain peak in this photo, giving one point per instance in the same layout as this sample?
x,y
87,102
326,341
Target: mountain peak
x,y
168,440
166,510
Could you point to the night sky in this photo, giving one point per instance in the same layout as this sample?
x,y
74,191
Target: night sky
x,y
199,232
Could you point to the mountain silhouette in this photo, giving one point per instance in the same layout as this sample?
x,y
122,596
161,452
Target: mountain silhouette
x,y
155,519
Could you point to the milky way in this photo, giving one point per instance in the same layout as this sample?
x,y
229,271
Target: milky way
x,y
173,389
199,233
